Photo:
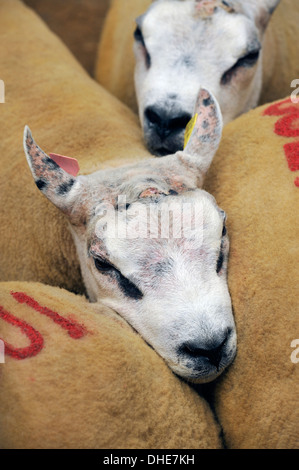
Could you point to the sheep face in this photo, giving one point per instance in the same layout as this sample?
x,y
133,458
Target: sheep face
x,y
161,263
181,45
153,246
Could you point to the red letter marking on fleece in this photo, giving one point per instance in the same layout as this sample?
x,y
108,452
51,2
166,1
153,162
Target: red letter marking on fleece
x,y
74,329
287,126
36,339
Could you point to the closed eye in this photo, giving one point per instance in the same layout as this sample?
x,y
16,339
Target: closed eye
x,y
140,39
248,61
102,265
126,286
220,259
138,35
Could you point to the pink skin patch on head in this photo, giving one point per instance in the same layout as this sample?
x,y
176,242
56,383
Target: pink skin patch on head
x,y
150,192
68,164
206,8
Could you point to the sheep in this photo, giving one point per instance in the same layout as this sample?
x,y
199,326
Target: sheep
x,y
42,249
224,46
102,389
255,176
61,107
108,388
149,242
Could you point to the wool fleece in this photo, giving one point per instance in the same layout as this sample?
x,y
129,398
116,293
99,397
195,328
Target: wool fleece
x,y
80,359
77,376
70,114
255,179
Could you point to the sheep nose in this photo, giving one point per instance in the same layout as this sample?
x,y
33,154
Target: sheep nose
x,y
213,351
163,123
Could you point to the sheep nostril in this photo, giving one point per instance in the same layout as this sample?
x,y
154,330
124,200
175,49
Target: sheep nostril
x,y
165,123
213,351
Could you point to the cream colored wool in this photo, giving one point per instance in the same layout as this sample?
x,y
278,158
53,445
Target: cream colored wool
x,y
257,400
69,114
114,68
105,390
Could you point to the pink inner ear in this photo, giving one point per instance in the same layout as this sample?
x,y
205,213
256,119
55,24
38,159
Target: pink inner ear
x,y
69,164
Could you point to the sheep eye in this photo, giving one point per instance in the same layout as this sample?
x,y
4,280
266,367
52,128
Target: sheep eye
x,y
247,61
220,261
223,231
139,38
127,287
138,35
102,265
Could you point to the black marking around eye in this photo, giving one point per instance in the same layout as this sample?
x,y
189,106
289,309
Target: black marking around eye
x,y
138,35
220,261
139,38
65,187
128,288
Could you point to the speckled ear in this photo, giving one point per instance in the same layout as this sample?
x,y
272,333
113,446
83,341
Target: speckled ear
x,y
49,176
203,134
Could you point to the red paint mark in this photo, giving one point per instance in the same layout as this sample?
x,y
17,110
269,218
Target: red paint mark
x,y
36,339
283,107
292,155
74,329
287,126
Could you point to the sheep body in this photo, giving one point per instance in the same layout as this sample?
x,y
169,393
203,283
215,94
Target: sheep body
x,y
35,242
104,388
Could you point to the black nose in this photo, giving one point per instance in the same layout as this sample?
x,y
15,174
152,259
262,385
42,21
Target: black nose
x,y
213,352
165,123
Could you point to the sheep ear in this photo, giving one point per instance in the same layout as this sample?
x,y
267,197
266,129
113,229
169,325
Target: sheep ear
x,y
203,133
260,11
50,175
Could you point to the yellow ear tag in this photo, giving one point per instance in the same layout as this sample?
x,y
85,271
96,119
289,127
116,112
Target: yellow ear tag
x,y
189,129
